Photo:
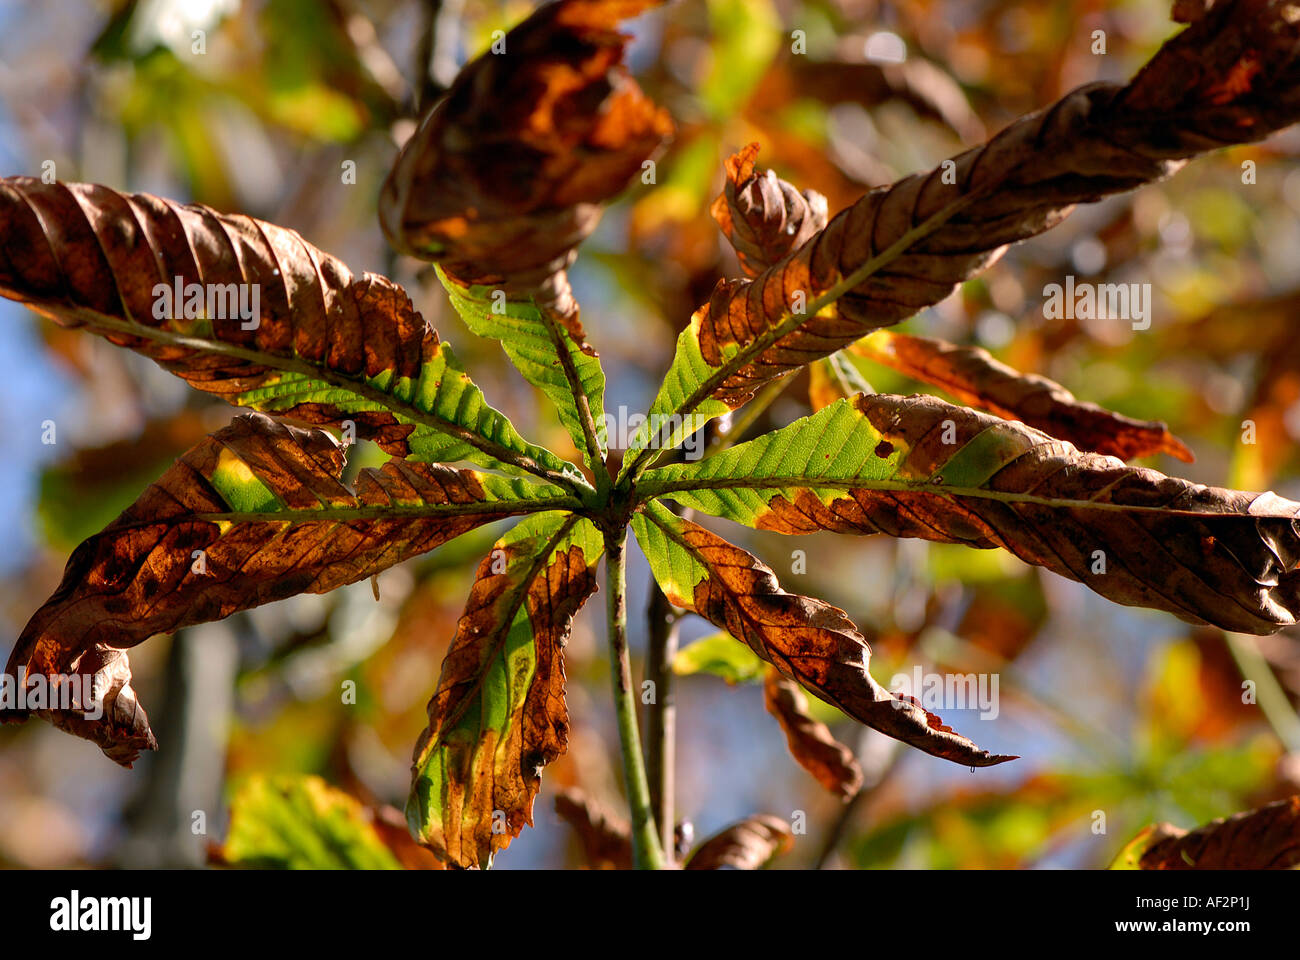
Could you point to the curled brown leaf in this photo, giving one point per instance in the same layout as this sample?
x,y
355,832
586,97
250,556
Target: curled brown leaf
x,y
1231,77
1267,838
811,742
606,838
505,176
973,376
747,845
764,217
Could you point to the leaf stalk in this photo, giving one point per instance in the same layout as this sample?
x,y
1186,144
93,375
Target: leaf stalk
x,y
647,853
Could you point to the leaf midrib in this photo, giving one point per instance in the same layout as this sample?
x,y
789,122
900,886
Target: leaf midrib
x,y
392,512
650,489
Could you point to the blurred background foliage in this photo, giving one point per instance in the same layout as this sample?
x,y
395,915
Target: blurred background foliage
x,y
1122,717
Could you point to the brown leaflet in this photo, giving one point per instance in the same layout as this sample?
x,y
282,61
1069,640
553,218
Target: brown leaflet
x,y
746,845
811,642
1205,554
973,376
506,174
764,217
82,254
137,577
1264,839
1231,77
811,742
606,839
481,769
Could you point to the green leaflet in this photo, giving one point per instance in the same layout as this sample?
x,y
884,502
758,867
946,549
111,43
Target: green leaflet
x,y
676,570
666,426
499,713
919,467
451,417
721,655
547,356
301,823
824,452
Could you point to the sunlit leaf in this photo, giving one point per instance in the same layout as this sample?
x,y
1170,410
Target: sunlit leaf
x,y
720,655
254,314
254,513
499,713
301,823
806,639
906,246
919,467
